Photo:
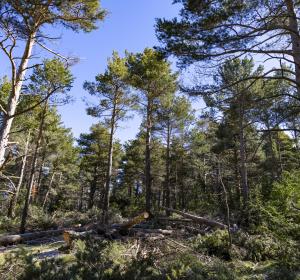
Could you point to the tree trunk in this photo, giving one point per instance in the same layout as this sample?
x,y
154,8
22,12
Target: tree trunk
x,y
48,190
243,158
18,238
14,198
148,159
39,178
93,187
225,204
175,197
80,204
236,174
167,180
198,219
33,168
13,100
279,153
109,164
295,38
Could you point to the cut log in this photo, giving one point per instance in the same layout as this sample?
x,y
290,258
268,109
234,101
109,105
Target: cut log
x,y
197,219
173,220
19,238
71,235
134,221
154,231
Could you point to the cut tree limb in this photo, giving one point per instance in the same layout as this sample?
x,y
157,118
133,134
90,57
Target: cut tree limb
x,y
19,238
197,219
134,221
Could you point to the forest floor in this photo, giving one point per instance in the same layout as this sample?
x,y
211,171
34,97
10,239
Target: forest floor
x,y
187,247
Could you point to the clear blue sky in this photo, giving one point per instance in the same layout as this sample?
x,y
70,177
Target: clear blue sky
x,y
129,26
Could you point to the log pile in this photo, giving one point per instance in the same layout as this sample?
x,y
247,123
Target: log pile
x,y
137,227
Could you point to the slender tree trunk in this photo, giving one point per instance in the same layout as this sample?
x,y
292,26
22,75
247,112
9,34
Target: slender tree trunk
x,y
14,198
226,205
279,153
33,169
148,159
39,179
274,168
167,180
159,198
13,100
93,187
243,158
80,204
236,175
175,200
295,38
48,190
129,190
109,163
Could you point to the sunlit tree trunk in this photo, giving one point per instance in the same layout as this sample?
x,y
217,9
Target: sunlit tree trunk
x,y
109,165
17,82
48,190
167,179
148,159
295,38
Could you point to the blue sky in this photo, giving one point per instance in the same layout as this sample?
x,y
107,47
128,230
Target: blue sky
x,y
129,26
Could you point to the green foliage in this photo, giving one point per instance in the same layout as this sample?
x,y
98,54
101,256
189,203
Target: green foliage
x,y
41,220
76,14
112,90
215,243
286,192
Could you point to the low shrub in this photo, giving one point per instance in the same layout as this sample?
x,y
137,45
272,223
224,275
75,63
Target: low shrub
x,y
215,243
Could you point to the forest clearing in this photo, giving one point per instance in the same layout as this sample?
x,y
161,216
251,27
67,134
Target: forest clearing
x,y
182,160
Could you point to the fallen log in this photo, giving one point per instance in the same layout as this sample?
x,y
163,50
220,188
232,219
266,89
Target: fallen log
x,y
134,221
19,238
197,219
112,232
70,235
153,231
173,220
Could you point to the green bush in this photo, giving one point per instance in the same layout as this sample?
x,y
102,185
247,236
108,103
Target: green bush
x,y
189,267
215,243
40,220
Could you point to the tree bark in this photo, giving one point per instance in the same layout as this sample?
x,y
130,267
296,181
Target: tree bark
x,y
93,187
14,198
168,159
48,190
198,219
226,205
295,38
148,159
109,164
33,168
39,178
237,180
243,158
13,100
18,238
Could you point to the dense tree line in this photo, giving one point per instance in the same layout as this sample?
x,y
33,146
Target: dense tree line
x,y
230,159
